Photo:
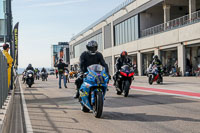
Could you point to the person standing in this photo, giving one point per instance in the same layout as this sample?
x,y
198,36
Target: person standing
x,y
61,70
9,61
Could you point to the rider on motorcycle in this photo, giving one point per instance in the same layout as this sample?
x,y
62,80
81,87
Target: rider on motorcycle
x,y
36,71
121,61
30,68
158,64
87,58
43,70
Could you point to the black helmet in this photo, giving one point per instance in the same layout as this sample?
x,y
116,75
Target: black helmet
x,y
92,47
155,57
30,65
60,60
124,54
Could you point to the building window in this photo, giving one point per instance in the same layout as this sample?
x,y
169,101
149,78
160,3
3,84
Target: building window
x,y
126,31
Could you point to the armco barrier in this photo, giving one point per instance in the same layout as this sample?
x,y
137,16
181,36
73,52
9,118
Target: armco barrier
x,y
3,79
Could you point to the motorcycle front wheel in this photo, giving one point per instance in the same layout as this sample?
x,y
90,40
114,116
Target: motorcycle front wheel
x,y
98,107
126,88
150,79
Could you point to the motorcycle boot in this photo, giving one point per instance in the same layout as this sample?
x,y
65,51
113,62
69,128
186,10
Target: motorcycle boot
x,y
77,94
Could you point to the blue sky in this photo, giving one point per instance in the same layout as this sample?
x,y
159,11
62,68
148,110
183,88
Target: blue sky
x,y
46,22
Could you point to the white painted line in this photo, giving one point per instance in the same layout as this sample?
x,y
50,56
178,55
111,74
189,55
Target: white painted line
x,y
193,97
29,128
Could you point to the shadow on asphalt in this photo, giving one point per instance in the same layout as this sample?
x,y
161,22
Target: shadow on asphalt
x,y
142,117
143,100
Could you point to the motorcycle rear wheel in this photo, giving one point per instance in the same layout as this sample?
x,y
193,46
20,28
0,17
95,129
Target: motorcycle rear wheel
x,y
98,107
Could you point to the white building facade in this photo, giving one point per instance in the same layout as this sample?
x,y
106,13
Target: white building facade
x,y
167,28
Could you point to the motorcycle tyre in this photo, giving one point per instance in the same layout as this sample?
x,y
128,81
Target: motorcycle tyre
x,y
126,88
98,107
150,80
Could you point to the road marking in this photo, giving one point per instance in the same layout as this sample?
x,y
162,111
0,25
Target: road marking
x,y
165,91
29,128
168,92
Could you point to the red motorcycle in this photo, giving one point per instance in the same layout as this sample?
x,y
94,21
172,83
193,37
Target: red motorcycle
x,y
125,78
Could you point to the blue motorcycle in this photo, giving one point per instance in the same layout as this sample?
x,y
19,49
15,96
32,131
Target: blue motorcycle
x,y
93,90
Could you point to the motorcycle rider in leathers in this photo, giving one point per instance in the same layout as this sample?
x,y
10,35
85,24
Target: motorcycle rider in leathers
x,y
87,58
158,63
121,61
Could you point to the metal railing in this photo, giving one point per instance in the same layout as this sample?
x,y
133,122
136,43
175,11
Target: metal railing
x,y
176,23
3,79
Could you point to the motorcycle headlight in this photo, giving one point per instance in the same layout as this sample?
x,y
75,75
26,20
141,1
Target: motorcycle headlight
x,y
30,75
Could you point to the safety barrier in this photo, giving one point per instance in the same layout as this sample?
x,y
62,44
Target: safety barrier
x,y
3,79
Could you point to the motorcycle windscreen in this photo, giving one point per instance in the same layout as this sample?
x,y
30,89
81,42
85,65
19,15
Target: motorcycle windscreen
x,y
96,68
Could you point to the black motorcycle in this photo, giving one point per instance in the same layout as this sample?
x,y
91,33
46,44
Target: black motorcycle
x,y
29,78
125,78
44,76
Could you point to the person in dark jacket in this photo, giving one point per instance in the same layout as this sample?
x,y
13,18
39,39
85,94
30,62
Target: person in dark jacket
x,y
121,61
87,58
156,62
43,70
61,70
30,67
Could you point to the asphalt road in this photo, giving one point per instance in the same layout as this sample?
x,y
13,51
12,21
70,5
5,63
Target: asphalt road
x,y
54,110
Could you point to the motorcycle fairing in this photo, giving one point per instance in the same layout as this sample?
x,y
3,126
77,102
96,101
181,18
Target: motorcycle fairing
x,y
92,83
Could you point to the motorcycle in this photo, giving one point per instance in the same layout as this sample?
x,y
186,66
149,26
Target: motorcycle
x,y
154,75
44,76
71,75
29,78
125,78
93,90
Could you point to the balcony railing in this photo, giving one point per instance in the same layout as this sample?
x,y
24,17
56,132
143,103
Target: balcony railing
x,y
3,79
176,23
